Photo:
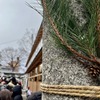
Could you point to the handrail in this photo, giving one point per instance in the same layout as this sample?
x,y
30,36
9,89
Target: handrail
x,y
35,76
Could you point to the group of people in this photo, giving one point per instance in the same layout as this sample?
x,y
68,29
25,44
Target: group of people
x,y
10,89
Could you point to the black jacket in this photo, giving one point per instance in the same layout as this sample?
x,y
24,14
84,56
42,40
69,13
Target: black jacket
x,y
18,97
17,93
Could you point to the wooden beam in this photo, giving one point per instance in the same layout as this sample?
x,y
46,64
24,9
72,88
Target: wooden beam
x,y
35,76
36,62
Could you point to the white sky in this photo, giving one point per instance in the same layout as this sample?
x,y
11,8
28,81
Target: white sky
x,y
15,18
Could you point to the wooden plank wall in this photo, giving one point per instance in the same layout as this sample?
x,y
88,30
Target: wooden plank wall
x,y
34,79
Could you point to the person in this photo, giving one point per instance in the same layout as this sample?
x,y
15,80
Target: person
x,y
17,93
19,83
12,83
35,96
3,81
29,92
10,88
5,95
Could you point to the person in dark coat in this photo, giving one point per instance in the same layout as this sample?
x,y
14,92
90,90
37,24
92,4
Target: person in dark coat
x,y
35,96
18,97
14,81
17,91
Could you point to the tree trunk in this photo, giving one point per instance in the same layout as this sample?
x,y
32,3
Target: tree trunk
x,y
59,68
13,69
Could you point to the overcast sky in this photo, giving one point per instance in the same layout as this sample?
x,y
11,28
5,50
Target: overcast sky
x,y
15,18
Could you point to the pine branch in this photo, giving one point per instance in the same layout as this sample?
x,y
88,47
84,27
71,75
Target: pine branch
x,y
92,59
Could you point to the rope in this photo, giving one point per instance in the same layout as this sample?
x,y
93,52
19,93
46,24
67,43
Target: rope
x,y
72,90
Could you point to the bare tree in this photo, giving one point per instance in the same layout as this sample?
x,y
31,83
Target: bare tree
x,y
36,5
25,44
11,57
